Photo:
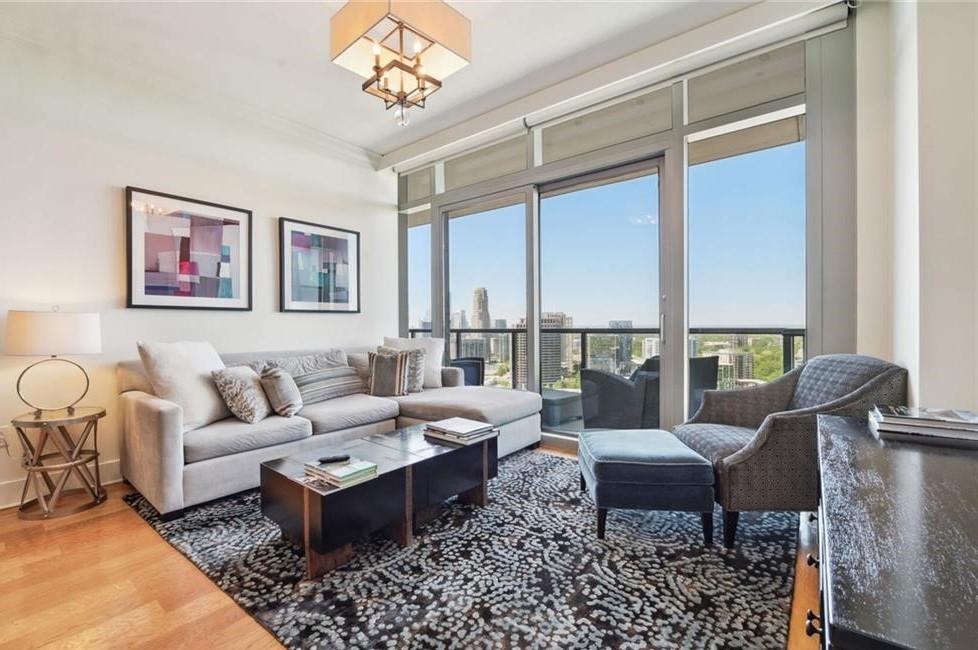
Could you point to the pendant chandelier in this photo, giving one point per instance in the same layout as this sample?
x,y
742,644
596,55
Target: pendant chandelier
x,y
404,49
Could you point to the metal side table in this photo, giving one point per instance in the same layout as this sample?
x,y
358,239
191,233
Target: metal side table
x,y
48,471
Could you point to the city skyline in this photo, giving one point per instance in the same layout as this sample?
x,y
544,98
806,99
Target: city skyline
x,y
746,256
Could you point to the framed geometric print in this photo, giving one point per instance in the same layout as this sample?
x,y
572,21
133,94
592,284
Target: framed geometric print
x,y
320,268
186,254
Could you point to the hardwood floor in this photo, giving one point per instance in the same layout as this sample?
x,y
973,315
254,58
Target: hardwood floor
x,y
105,579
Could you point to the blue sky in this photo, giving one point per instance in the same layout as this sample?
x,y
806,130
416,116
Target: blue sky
x,y
599,249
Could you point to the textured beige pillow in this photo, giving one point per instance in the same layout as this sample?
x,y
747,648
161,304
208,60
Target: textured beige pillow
x,y
282,392
434,350
181,373
240,386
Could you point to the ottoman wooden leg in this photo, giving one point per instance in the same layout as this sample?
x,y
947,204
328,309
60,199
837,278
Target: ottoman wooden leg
x,y
583,484
602,518
707,528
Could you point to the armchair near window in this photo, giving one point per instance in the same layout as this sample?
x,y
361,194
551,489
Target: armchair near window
x,y
473,369
761,440
609,401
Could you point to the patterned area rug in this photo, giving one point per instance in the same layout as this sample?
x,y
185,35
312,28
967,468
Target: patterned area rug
x,y
525,572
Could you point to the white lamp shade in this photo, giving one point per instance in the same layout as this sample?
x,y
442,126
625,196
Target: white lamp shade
x,y
359,24
46,333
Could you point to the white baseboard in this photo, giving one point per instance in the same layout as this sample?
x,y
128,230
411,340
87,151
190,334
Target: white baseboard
x,y
10,491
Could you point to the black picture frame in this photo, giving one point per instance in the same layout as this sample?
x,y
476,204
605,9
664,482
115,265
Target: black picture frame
x,y
133,302
285,261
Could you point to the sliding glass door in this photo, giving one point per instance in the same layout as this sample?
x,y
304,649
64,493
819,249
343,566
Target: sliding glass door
x,y
486,302
599,311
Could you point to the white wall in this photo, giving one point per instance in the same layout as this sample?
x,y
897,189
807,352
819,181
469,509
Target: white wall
x,y
917,209
72,138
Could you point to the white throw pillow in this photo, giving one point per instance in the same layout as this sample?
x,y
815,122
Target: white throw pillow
x,y
434,350
181,373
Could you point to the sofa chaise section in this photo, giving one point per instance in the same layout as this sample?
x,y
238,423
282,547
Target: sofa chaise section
x,y
515,412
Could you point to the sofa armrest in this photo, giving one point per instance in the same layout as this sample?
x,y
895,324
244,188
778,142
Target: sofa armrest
x,y
152,448
452,377
747,407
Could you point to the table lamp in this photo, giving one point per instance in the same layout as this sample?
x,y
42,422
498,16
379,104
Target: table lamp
x,y
52,333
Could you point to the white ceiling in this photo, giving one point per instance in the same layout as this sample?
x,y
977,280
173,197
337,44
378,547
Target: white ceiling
x,y
274,57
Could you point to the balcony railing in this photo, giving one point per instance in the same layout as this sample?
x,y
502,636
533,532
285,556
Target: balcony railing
x,y
792,344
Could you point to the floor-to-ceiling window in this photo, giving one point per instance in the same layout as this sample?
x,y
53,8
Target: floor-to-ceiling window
x,y
599,279
726,147
487,288
746,255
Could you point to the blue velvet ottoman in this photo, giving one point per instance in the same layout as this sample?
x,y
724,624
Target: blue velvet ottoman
x,y
645,469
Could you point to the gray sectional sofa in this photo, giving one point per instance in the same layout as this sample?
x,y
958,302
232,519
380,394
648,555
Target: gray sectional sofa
x,y
174,470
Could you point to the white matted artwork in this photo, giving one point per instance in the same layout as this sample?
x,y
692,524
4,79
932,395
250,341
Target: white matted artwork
x,y
186,254
319,268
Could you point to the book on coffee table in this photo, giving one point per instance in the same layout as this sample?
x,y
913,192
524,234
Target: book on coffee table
x,y
441,436
460,427
342,474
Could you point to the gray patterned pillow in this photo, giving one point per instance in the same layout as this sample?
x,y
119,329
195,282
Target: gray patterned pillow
x,y
320,376
415,369
388,374
240,386
283,394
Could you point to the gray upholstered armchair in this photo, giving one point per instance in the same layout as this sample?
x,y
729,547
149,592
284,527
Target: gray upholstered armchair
x,y
761,440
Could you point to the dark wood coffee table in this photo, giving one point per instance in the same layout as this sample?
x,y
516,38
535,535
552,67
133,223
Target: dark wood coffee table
x,y
414,475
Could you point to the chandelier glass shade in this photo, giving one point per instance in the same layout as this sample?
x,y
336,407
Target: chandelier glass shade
x,y
403,49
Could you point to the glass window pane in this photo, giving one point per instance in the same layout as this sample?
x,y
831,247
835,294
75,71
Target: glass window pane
x,y
762,78
487,290
420,184
746,247
621,122
599,277
419,275
496,160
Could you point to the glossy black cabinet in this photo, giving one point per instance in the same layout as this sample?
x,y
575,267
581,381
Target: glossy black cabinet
x,y
898,542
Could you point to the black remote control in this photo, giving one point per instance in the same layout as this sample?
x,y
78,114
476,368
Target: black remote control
x,y
339,458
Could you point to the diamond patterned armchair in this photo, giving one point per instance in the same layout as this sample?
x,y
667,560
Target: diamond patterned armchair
x,y
761,440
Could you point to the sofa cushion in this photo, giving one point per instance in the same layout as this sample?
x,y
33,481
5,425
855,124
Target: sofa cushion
x,y
493,405
282,392
831,376
434,350
232,436
181,373
714,441
642,457
240,386
349,411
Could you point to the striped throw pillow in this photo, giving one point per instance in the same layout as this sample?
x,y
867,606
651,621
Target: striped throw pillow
x,y
329,383
415,371
389,374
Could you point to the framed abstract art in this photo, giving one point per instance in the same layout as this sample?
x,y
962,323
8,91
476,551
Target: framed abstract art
x,y
320,268
186,254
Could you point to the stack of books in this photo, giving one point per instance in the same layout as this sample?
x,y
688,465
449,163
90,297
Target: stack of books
x,y
949,427
460,431
342,474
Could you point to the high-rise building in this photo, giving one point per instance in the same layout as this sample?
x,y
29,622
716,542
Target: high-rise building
x,y
623,353
480,309
499,323
473,347
553,359
458,321
650,347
